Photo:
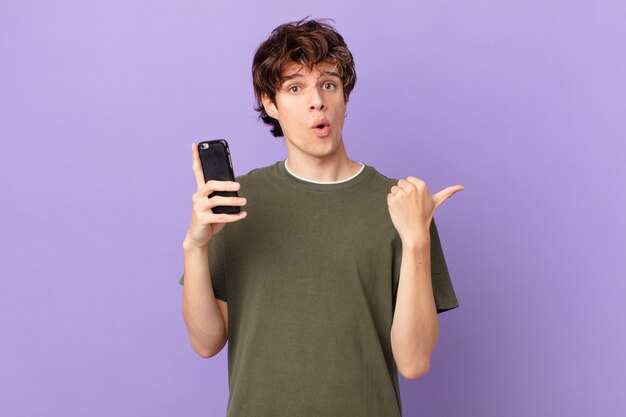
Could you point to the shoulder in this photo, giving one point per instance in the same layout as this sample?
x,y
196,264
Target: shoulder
x,y
380,180
260,184
258,174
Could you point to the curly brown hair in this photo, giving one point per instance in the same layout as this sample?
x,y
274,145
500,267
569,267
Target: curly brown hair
x,y
306,42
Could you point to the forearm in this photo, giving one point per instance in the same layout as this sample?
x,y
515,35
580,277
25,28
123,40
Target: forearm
x,y
202,316
415,327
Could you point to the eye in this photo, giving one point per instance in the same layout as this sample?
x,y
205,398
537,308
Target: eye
x,y
329,86
294,89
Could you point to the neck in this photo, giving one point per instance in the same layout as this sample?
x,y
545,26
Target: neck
x,y
327,168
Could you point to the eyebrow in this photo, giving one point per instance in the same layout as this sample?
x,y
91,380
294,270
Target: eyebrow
x,y
291,77
298,75
329,74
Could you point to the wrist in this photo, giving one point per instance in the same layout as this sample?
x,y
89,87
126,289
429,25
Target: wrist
x,y
190,246
418,243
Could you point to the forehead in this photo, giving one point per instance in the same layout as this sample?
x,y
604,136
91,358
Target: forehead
x,y
296,68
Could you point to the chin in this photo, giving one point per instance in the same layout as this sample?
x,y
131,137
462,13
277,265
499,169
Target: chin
x,y
318,147
325,152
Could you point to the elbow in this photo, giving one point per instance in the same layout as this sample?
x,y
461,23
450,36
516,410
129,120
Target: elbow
x,y
203,352
420,369
206,351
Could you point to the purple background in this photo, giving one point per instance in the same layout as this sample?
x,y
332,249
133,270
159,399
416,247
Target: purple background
x,y
524,103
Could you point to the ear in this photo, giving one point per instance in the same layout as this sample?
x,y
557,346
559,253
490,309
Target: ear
x,y
269,106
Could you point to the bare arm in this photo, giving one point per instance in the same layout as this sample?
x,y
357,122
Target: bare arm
x,y
206,317
415,327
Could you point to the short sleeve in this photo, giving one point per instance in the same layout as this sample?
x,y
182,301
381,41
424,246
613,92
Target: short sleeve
x,y
443,291
216,254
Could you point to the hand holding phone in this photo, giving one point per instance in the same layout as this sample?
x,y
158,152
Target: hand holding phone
x,y
212,193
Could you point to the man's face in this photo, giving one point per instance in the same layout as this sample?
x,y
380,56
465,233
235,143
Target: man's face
x,y
310,108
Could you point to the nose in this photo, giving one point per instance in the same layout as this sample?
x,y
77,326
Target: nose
x,y
316,102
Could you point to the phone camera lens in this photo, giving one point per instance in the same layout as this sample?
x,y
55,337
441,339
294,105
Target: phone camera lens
x,y
204,146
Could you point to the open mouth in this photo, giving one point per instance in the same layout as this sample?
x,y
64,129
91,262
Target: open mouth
x,y
321,127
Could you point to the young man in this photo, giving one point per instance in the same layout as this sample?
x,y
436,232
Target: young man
x,y
329,283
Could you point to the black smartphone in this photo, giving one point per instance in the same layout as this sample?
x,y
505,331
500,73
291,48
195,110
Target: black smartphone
x,y
217,165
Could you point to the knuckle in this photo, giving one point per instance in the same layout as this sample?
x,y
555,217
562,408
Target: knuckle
x,y
218,200
199,208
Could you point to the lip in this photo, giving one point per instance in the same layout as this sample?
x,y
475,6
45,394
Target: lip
x,y
321,127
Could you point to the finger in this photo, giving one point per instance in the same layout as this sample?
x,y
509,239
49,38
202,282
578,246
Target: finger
x,y
204,205
416,181
214,185
395,189
419,184
446,193
219,200
196,166
405,185
229,218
